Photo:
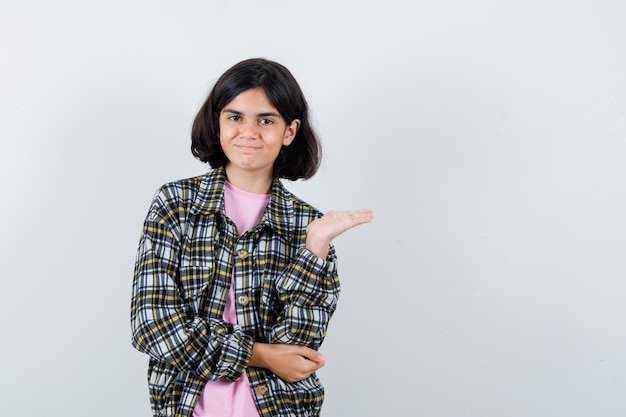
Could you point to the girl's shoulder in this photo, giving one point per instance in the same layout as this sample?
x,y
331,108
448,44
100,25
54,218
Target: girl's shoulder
x,y
299,206
187,193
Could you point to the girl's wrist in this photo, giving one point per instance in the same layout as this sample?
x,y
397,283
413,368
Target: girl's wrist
x,y
317,247
259,355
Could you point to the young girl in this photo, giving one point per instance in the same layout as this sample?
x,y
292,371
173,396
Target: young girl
x,y
235,279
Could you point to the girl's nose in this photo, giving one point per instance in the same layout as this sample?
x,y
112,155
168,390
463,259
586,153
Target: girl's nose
x,y
248,129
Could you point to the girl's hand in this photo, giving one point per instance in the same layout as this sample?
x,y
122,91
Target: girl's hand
x,y
291,363
322,231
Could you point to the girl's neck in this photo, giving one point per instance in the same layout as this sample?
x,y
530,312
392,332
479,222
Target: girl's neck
x,y
251,182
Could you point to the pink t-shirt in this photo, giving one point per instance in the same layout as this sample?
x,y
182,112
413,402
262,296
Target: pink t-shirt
x,y
224,398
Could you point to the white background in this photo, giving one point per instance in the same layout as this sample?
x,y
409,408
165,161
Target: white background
x,y
488,136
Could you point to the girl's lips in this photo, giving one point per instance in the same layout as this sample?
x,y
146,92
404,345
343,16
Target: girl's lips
x,y
247,148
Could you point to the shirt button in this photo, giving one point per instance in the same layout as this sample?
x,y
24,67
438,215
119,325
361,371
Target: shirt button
x,y
242,253
262,389
243,300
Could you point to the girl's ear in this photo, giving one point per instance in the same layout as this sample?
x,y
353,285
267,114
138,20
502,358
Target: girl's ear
x,y
290,132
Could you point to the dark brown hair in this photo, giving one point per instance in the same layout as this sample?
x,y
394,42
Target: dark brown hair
x,y
299,160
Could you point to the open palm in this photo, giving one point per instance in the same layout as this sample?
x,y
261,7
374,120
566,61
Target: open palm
x,y
322,231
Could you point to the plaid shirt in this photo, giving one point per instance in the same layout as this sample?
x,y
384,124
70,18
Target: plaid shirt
x,y
186,258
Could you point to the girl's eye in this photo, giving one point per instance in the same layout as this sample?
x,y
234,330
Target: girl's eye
x,y
266,122
234,118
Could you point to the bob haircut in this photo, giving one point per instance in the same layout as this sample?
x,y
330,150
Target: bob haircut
x,y
299,160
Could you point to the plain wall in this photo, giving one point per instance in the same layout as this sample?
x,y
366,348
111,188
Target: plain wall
x,y
489,137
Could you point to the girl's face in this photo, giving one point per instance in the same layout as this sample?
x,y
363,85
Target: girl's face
x,y
252,132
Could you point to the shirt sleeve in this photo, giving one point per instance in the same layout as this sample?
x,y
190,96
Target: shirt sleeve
x,y
161,322
309,290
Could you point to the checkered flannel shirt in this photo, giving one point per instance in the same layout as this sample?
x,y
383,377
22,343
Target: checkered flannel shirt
x,y
284,294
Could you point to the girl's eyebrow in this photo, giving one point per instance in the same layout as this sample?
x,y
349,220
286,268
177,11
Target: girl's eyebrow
x,y
269,114
266,114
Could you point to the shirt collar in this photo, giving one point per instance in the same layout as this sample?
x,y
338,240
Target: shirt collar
x,y
279,214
